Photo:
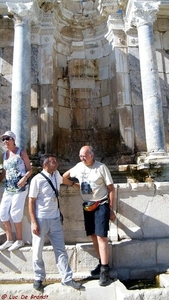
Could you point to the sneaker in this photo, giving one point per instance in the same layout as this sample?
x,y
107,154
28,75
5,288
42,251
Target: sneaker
x,y
37,285
73,284
18,244
6,245
96,271
104,276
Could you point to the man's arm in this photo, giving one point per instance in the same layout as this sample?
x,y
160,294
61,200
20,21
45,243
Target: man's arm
x,y
35,226
111,191
67,181
66,175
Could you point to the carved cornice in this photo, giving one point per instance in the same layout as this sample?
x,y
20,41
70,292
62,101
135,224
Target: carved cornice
x,y
115,21
164,8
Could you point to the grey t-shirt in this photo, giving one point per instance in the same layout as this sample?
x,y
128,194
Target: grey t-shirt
x,y
93,180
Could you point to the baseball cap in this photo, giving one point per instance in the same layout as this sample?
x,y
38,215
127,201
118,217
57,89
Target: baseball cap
x,y
9,133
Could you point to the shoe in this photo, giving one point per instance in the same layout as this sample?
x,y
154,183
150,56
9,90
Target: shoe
x,y
38,285
104,276
18,244
6,245
73,284
96,271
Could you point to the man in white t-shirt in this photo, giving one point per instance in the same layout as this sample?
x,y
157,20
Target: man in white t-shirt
x,y
45,222
97,192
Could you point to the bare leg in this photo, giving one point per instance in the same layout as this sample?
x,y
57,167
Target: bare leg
x,y
103,249
104,270
18,228
95,244
8,230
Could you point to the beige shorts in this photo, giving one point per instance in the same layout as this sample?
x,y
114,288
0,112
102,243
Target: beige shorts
x,y
12,206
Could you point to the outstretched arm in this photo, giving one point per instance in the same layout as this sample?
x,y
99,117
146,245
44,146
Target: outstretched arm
x,y
67,181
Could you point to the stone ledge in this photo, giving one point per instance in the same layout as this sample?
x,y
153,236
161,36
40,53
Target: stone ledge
x,y
89,291
28,277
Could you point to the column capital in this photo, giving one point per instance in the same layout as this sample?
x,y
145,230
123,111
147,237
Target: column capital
x,y
21,10
141,12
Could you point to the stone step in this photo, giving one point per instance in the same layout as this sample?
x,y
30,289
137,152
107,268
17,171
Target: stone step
x,y
89,291
81,259
127,260
23,289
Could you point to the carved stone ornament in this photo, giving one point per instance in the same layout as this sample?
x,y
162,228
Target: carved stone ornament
x,y
144,13
29,10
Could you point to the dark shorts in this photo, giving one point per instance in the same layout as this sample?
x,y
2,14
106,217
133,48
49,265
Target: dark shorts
x,y
97,221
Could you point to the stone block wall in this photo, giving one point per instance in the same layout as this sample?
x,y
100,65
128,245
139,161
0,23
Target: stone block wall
x,y
97,96
138,240
84,92
142,213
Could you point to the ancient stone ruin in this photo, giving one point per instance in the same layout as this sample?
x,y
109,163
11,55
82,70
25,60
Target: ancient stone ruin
x,y
75,72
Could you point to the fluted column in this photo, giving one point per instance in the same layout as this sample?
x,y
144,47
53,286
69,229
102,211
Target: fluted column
x,y
145,15
21,77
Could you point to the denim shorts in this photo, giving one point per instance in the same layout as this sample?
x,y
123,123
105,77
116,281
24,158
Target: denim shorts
x,y
97,221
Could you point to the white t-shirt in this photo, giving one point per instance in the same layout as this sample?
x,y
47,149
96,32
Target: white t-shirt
x,y
93,180
46,204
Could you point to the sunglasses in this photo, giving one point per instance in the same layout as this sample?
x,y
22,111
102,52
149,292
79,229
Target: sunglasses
x,y
6,138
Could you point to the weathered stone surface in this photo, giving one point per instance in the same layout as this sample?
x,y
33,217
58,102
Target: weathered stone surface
x,y
121,60
165,40
34,64
164,92
146,222
64,118
6,60
34,96
126,126
86,68
166,60
135,79
6,37
123,89
5,96
46,67
160,63
131,258
158,40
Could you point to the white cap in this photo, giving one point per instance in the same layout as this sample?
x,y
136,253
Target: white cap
x,y
9,133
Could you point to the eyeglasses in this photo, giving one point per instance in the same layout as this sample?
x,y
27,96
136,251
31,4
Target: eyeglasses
x,y
6,138
52,161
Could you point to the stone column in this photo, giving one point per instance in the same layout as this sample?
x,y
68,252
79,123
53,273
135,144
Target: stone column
x,y
21,79
145,15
